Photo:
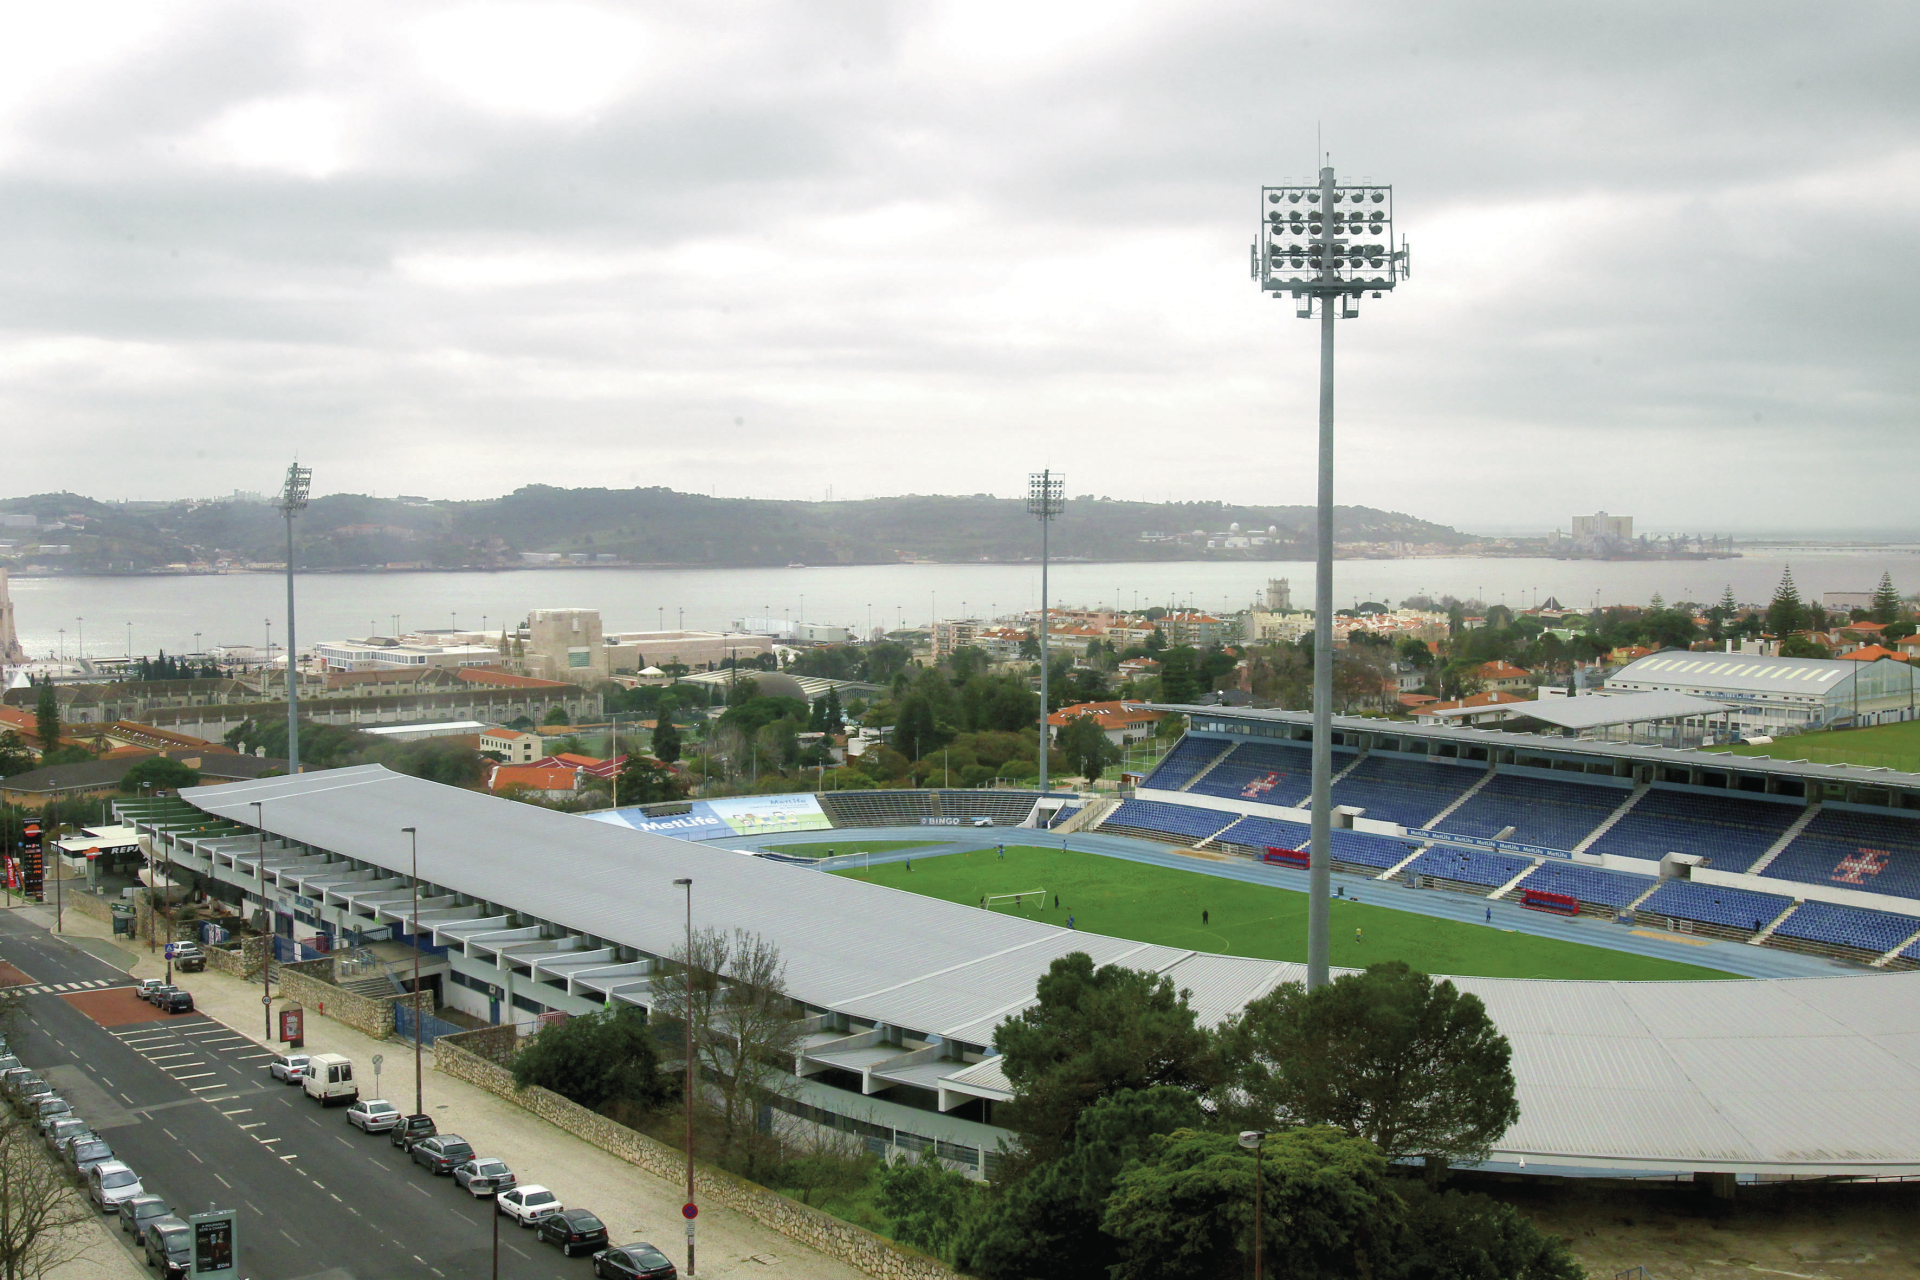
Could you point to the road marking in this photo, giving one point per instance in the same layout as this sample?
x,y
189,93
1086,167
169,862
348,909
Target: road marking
x,y
255,1125
289,1157
202,1075
266,1142
342,1141
331,1194
195,1155
162,1057
291,1240
411,1187
168,1132
129,1100
224,1182
237,1111
207,1088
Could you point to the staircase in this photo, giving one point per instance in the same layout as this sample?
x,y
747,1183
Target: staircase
x,y
1225,752
1787,837
1760,938
1306,801
1434,822
1626,807
1092,815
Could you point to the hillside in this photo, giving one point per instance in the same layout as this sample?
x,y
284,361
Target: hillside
x,y
662,526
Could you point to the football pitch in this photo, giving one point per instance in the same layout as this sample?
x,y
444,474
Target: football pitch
x,y
1147,903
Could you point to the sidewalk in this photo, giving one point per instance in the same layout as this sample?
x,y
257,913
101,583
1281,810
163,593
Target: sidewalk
x,y
634,1204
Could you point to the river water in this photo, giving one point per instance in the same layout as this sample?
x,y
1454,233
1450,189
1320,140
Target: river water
x,y
180,614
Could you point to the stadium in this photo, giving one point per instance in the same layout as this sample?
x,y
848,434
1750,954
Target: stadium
x,y
1790,892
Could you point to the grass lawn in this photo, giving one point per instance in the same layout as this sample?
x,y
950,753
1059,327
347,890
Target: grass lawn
x,y
1162,905
819,848
1889,746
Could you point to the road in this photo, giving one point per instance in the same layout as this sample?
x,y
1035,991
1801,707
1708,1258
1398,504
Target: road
x,y
188,1103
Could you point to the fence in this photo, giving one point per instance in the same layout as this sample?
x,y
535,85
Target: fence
x,y
431,1028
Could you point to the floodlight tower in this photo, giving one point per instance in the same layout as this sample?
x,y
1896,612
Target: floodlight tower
x,y
1046,498
1313,250
293,500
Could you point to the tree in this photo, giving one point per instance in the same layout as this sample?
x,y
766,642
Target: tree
x,y
1087,748
647,781
914,730
556,714
46,719
596,1059
1451,1236
666,738
745,1029
159,774
1412,1065
1179,682
1886,601
15,755
1785,613
1091,1032
1187,1210
44,1223
1802,647
926,1202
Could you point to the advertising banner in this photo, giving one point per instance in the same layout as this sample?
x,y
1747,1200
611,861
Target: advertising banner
x,y
33,878
736,815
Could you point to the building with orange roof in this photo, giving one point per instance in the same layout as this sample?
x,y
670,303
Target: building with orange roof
x,y
1872,653
554,782
1504,677
1123,722
1494,704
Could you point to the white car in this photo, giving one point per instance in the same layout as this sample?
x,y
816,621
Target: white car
x,y
528,1205
373,1115
288,1067
111,1182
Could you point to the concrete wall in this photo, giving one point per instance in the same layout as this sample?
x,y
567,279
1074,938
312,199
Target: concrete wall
x,y
856,1246
309,983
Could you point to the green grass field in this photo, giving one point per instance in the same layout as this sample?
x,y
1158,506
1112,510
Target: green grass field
x,y
819,848
1159,904
1886,746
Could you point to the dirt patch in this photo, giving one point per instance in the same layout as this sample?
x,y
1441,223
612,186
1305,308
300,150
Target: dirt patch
x,y
115,1007
1816,1231
12,977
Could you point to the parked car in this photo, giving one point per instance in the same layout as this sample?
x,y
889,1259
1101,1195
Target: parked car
x,y
288,1067
373,1115
110,1182
527,1205
484,1176
574,1230
137,1211
411,1130
145,987
70,1137
47,1108
188,957
8,1062
636,1261
27,1088
168,1243
441,1152
176,1001
11,1077
329,1079
82,1156
159,993
65,1127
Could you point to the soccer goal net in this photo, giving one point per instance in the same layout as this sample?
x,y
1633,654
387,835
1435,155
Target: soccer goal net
x,y
1018,901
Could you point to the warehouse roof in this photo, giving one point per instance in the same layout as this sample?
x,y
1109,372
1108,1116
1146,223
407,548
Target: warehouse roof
x,y
1736,672
1802,1076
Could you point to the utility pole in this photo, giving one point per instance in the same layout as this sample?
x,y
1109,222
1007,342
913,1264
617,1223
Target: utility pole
x,y
1314,251
1046,498
691,1209
293,500
419,1093
266,923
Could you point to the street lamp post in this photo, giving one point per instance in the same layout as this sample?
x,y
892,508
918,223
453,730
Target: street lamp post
x,y
1251,1139
266,921
687,884
1317,253
293,500
419,1092
1046,498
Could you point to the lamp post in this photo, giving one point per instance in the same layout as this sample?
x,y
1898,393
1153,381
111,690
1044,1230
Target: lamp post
x,y
419,1095
1251,1139
293,500
266,921
687,884
1046,498
1317,253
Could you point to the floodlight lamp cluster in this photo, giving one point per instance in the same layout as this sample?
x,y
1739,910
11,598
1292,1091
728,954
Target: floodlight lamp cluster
x,y
1326,240
1046,494
299,485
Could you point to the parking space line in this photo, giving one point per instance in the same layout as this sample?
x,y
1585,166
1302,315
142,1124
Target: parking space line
x,y
198,1076
206,1088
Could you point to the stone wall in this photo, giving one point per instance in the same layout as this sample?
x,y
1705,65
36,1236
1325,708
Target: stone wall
x,y
87,904
854,1245
309,984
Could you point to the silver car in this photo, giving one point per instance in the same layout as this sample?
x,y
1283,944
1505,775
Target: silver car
x,y
83,1156
484,1176
65,1127
111,1182
46,1109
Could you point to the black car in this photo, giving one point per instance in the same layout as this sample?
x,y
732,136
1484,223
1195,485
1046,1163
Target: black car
x,y
574,1230
157,995
176,1002
168,1244
636,1261
411,1130
441,1152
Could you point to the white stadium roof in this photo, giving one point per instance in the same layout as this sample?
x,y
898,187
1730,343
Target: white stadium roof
x,y
1741,672
1809,1076
1598,710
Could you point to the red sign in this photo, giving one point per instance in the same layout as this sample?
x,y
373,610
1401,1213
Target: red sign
x,y
689,1211
291,1026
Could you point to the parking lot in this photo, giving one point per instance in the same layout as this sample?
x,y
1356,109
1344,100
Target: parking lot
x,y
188,1102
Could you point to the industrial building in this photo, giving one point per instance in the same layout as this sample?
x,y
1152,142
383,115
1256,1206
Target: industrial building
x,y
1774,695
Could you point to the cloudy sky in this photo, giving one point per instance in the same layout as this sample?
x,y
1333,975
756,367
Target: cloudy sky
x,y
1662,254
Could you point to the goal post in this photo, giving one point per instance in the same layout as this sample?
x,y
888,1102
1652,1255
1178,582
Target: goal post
x,y
1019,901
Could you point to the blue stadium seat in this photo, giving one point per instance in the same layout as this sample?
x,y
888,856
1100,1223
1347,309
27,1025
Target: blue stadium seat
x,y
1262,772
1188,757
1589,884
1730,832
1473,866
1156,816
1358,848
1409,792
1549,813
1715,904
1876,931
1863,851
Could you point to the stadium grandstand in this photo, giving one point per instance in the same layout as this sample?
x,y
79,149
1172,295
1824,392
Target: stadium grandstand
x,y
900,993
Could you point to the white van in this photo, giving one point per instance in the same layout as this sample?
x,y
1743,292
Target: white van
x,y
328,1079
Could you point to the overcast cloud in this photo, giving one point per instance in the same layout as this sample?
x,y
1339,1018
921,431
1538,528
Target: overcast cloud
x,y
1663,255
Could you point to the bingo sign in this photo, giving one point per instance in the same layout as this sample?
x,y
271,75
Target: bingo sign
x,y
33,871
213,1242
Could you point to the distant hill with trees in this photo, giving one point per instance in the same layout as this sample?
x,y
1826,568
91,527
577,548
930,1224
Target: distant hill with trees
x,y
661,526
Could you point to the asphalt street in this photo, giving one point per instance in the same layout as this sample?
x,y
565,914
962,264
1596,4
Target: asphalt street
x,y
188,1103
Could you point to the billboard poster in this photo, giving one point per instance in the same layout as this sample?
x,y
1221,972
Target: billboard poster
x,y
33,866
734,816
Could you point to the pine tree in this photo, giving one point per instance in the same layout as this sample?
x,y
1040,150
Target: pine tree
x,y
666,739
1886,601
1657,603
1785,613
1728,605
46,718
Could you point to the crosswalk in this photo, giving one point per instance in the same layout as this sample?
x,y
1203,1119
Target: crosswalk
x,y
43,988
205,1056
